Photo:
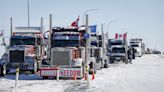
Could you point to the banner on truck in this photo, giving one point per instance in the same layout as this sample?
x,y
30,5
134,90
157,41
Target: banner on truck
x,y
64,72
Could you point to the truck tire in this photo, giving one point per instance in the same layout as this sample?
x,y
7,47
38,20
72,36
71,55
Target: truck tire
x,y
106,65
34,71
111,61
45,77
126,61
2,70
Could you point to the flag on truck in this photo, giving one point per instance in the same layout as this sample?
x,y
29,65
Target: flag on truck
x,y
93,28
75,23
125,35
86,36
121,36
1,32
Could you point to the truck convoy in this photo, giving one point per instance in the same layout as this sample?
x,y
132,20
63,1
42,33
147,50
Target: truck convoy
x,y
68,51
137,44
24,50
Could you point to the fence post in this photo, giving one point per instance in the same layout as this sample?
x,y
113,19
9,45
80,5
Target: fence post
x,y
17,76
58,74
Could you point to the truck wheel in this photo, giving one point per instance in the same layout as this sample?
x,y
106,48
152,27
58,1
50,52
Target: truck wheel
x,y
45,77
35,68
106,65
111,61
3,70
126,61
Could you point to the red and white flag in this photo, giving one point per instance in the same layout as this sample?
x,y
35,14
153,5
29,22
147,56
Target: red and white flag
x,y
125,35
116,36
121,36
75,23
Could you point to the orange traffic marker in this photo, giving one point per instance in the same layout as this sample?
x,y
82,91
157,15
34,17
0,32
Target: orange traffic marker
x,y
93,75
74,77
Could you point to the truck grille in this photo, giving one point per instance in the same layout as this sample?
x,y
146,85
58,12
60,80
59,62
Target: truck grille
x,y
16,56
60,58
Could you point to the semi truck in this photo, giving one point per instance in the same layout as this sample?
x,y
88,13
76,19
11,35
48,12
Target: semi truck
x,y
24,50
97,51
66,50
137,44
117,50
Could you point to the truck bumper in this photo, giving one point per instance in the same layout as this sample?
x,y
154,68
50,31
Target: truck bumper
x,y
22,66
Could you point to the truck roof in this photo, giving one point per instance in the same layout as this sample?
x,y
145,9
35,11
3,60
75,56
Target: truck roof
x,y
135,40
26,37
28,29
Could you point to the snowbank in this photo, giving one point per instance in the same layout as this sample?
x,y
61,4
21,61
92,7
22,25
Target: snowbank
x,y
144,75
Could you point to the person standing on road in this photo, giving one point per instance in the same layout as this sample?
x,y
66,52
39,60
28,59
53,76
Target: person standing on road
x,y
134,52
130,55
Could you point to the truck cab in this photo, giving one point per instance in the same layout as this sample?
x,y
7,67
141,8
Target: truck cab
x,y
67,50
137,44
117,50
24,50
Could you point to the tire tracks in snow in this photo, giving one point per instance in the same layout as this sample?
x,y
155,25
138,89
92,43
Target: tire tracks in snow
x,y
77,86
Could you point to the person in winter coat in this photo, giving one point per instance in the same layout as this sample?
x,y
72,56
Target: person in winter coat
x,y
130,53
134,52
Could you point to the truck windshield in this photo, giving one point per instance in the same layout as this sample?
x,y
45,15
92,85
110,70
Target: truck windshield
x,y
22,41
115,42
65,43
136,45
118,50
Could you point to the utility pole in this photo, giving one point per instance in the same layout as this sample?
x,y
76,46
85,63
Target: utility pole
x,y
42,42
84,14
87,51
41,24
28,12
103,47
11,25
50,32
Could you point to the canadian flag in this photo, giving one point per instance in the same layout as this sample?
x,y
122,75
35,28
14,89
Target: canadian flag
x,y
75,23
121,36
125,35
116,36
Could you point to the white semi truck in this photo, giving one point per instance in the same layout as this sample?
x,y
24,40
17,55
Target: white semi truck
x,y
117,50
137,44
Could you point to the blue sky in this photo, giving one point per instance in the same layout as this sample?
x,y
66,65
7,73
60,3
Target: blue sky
x,y
141,18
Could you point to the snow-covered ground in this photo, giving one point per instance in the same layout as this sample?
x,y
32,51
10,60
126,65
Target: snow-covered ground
x,y
146,74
